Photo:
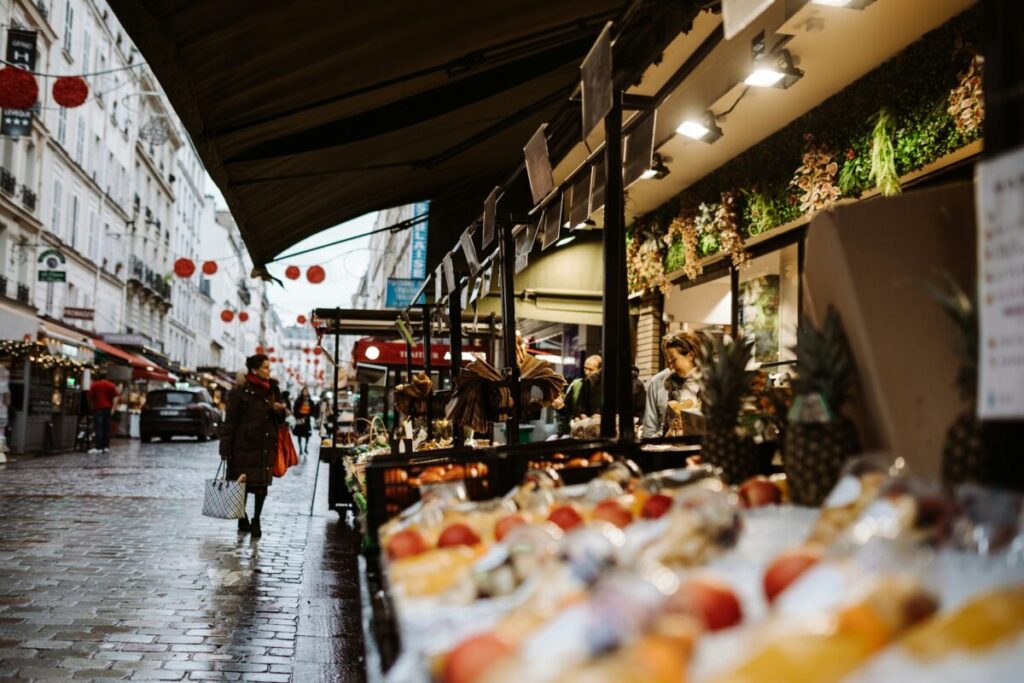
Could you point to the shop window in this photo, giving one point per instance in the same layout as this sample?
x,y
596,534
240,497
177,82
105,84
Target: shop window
x,y
768,300
706,307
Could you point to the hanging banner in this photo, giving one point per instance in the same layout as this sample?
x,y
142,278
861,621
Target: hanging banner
x,y
438,284
538,165
639,150
523,246
579,204
469,250
490,214
596,79
1000,201
552,223
418,252
21,53
400,292
737,14
449,273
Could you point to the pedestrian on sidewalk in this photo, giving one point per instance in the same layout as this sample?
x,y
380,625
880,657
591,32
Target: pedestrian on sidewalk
x,y
303,412
324,412
249,438
102,395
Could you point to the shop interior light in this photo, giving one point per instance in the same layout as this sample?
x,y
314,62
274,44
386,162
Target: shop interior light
x,y
372,352
564,241
657,170
774,71
702,128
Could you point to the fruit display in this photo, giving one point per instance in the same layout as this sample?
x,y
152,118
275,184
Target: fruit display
x,y
726,382
676,576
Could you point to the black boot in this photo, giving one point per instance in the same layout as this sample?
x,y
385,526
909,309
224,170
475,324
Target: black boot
x,y
243,525
256,530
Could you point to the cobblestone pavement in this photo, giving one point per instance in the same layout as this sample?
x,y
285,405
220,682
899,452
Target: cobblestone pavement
x,y
109,571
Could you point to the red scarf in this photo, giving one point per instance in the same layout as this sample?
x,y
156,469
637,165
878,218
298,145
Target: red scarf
x,y
261,383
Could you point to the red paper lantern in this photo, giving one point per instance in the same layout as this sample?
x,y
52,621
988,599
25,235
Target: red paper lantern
x,y
70,91
184,267
305,349
270,349
209,267
18,88
316,361
316,274
301,320
227,316
292,272
259,349
317,350
243,316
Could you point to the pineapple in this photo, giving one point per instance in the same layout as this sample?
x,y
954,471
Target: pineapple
x,y
726,383
962,451
814,451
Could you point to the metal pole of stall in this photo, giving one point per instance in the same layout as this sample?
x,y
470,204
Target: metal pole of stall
x,y
426,367
508,322
616,345
455,348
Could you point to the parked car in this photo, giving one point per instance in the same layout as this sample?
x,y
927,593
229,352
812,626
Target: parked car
x,y
179,412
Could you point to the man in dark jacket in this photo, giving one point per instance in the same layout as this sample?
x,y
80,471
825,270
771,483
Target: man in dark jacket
x,y
249,436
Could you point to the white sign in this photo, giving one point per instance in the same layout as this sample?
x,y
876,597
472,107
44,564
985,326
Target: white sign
x,y
1000,202
737,14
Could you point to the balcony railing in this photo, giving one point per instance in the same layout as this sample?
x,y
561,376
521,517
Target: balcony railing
x,y
148,278
3,285
23,293
28,198
8,183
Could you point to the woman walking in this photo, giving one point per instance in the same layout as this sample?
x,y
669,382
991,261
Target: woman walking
x,y
303,412
249,438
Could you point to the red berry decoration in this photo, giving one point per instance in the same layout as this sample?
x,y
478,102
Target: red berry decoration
x,y
70,91
292,272
270,349
209,267
18,88
243,316
317,350
301,320
227,316
259,349
316,274
184,267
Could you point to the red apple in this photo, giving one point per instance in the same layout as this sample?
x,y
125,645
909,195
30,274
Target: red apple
x,y
566,517
457,534
713,601
613,511
786,568
656,506
758,491
507,524
471,658
406,544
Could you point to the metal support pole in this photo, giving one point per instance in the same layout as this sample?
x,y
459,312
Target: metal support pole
x,y
508,323
337,370
455,348
616,344
426,367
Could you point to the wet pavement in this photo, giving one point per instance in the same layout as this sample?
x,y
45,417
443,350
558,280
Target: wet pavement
x,y
109,571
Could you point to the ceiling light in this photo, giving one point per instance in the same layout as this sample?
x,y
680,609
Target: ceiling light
x,y
701,128
564,241
774,71
849,4
658,168
588,224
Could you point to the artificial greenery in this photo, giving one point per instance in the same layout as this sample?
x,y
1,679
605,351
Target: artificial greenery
x,y
916,94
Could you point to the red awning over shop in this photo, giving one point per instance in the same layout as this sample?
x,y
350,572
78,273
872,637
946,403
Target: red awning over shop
x,y
142,367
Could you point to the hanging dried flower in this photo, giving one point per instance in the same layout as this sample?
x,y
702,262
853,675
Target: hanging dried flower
x,y
816,178
966,100
727,224
646,264
686,228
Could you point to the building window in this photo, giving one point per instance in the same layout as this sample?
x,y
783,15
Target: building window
x,y
58,191
92,247
80,142
73,222
62,126
69,25
86,48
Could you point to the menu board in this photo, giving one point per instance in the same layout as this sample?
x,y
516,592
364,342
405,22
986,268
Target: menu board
x,y
1000,206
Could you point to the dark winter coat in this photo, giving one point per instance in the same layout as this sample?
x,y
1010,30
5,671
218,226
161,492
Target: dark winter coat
x,y
249,436
302,422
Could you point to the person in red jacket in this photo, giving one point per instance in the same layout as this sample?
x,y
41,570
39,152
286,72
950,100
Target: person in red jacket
x,y
102,395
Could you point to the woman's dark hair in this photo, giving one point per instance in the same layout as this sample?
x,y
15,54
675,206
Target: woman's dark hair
x,y
256,361
684,342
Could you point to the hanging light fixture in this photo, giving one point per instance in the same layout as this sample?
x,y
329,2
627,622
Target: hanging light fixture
x,y
658,168
774,71
703,128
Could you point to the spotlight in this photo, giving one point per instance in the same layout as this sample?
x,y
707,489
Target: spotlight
x,y
774,71
564,241
588,224
657,170
702,128
848,4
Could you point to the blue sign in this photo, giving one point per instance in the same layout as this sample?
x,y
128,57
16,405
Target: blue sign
x,y
418,248
401,290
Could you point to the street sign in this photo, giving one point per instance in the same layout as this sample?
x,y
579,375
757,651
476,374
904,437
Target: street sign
x,y
79,313
21,54
401,290
52,276
51,263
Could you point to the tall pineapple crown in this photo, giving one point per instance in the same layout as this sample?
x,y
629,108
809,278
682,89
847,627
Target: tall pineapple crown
x,y
824,364
961,310
726,379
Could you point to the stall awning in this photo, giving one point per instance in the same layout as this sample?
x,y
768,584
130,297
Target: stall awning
x,y
309,113
143,369
16,323
62,341
153,372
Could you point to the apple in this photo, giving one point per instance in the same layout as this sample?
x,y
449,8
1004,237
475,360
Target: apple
x,y
612,511
470,659
457,534
601,458
406,544
507,524
786,568
758,491
655,506
578,462
713,601
566,517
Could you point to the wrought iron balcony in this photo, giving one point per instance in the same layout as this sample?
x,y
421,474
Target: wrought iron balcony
x,y
23,293
8,183
28,198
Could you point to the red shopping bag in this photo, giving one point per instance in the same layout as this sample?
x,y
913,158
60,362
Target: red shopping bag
x,y
286,455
